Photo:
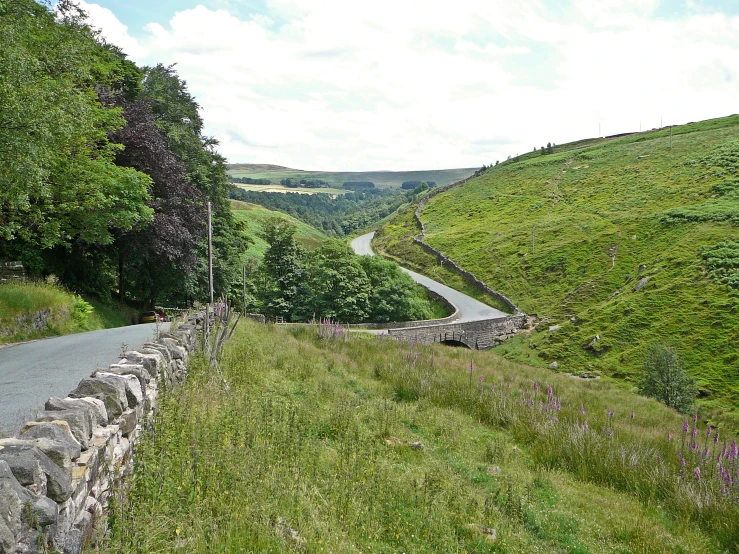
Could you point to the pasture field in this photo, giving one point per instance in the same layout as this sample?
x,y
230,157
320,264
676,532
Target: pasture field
x,y
283,189
615,244
381,179
330,442
256,216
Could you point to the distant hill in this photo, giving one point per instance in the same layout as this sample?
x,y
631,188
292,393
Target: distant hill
x,y
614,243
255,216
382,179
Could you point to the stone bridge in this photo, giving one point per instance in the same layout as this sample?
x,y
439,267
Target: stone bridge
x,y
477,335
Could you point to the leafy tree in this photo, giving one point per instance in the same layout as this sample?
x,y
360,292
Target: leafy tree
x,y
666,379
393,294
282,268
338,284
58,180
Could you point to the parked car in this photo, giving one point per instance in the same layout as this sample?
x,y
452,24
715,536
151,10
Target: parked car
x,y
152,317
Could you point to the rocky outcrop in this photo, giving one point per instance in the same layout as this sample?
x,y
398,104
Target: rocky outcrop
x,y
57,474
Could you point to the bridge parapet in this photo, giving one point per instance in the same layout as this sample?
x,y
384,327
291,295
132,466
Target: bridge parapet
x,y
477,335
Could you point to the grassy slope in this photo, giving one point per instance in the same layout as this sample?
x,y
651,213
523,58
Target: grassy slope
x,y
337,179
66,312
585,203
255,216
315,434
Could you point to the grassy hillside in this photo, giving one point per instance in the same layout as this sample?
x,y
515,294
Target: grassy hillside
x,y
255,216
616,241
383,179
323,443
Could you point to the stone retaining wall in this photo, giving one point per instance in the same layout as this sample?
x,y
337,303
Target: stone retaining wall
x,y
56,475
448,262
11,271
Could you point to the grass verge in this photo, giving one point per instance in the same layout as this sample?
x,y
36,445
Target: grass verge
x,y
329,443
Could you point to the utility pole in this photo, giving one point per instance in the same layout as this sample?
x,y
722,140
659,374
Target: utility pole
x,y
210,253
244,292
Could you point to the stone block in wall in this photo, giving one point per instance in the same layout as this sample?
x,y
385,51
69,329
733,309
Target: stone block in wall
x,y
150,347
175,349
80,422
94,416
128,422
138,370
11,507
113,395
56,430
134,393
59,452
33,468
151,361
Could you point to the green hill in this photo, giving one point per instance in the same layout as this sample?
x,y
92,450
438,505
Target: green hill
x,y
381,179
255,216
622,242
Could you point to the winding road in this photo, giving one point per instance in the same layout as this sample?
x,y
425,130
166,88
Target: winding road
x,y
33,371
469,308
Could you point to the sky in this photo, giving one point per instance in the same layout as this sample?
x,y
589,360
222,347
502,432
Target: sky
x,y
341,85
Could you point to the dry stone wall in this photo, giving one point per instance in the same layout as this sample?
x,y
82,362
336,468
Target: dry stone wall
x,y
57,474
11,271
448,262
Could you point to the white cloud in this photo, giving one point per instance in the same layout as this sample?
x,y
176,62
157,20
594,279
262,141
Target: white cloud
x,y
386,85
114,31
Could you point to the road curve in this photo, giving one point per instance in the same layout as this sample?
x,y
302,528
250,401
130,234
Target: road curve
x,y
31,372
469,308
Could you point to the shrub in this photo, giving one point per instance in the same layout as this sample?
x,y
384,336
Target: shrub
x,y
666,380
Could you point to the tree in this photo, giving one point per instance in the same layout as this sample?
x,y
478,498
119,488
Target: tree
x,y
339,286
282,268
393,294
58,179
666,379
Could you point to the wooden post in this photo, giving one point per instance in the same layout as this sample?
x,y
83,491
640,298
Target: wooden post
x,y
244,292
210,254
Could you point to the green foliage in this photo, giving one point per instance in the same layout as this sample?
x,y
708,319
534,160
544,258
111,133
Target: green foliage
x,y
310,437
666,380
58,181
722,262
568,236
81,313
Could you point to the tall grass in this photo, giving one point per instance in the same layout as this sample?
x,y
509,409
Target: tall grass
x,y
328,442
22,303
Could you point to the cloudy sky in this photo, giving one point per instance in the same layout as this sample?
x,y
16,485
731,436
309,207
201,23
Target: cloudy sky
x,y
401,84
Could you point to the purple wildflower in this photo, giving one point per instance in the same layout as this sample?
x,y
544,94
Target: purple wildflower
x,y
708,431
536,387
697,473
686,426
695,432
669,436
549,390
492,387
695,418
632,414
582,410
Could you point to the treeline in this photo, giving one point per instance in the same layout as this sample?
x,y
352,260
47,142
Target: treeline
x,y
294,182
105,172
331,282
410,185
250,181
359,185
338,216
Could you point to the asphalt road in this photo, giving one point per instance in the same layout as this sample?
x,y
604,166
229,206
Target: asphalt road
x,y
469,308
31,372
